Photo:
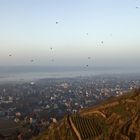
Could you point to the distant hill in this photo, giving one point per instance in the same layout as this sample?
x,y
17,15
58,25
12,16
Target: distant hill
x,y
118,118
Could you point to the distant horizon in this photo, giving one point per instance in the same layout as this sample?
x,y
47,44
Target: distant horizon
x,y
73,66
23,73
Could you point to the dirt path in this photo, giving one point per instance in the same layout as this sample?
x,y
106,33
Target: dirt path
x,y
74,128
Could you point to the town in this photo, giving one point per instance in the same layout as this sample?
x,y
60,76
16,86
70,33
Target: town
x,y
33,105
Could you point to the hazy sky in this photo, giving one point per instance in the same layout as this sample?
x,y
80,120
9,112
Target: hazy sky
x,y
28,30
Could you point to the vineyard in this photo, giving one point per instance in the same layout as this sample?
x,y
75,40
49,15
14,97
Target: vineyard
x,y
87,128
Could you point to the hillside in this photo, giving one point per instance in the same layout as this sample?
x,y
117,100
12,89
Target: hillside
x,y
118,118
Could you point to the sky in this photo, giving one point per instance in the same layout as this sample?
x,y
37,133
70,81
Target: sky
x,y
67,32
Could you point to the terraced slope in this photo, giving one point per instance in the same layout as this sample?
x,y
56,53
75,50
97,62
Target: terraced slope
x,y
114,119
